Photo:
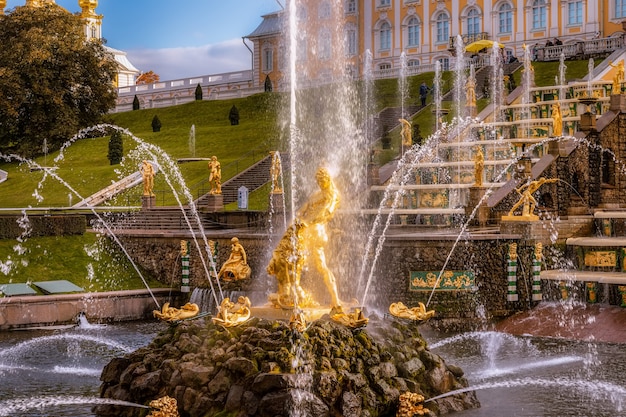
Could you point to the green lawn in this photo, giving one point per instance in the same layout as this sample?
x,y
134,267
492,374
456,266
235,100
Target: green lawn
x,y
90,261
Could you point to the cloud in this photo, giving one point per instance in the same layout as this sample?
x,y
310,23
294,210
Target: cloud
x,y
186,62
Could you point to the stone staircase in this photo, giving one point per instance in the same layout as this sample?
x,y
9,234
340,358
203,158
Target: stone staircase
x,y
164,219
252,178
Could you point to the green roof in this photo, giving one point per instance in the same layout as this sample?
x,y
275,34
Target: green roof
x,y
57,287
11,290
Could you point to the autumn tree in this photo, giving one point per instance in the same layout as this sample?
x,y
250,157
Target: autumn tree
x,y
149,77
53,82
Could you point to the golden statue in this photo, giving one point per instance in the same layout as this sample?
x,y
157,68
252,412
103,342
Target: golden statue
x,y
307,236
233,314
275,172
184,248
416,313
353,320
215,176
479,167
538,251
470,92
513,251
406,133
164,407
297,321
172,314
236,266
286,265
147,173
527,200
557,120
411,404
618,78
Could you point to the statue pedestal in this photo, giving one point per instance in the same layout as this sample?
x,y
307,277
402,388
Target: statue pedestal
x,y
482,213
148,202
527,229
278,211
215,202
373,177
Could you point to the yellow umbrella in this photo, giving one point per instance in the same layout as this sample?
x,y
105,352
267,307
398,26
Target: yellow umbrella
x,y
482,44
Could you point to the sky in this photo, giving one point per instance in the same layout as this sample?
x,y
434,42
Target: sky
x,y
180,38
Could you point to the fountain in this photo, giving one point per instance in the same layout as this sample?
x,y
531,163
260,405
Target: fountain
x,y
241,363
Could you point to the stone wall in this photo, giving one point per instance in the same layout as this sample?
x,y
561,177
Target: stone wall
x,y
53,310
485,257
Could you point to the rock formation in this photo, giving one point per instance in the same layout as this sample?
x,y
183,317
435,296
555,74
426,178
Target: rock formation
x,y
262,368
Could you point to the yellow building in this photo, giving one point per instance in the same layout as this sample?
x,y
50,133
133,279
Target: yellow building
x,y
422,31
127,73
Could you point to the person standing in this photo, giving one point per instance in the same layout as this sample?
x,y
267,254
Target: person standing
x,y
423,93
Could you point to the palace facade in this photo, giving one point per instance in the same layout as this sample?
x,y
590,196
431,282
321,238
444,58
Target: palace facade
x,y
379,35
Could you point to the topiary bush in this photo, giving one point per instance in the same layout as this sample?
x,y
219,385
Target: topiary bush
x,y
156,124
116,148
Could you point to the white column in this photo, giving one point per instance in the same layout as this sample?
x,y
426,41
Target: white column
x,y
367,26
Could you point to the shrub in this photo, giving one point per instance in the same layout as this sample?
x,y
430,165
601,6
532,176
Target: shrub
x,y
116,148
156,124
198,92
136,103
233,116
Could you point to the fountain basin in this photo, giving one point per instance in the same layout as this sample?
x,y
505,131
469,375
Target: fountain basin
x,y
53,310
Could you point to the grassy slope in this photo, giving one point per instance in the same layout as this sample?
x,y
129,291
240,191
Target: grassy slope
x,y
86,169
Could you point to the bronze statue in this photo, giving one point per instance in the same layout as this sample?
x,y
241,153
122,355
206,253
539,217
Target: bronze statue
x,y
236,266
147,173
215,176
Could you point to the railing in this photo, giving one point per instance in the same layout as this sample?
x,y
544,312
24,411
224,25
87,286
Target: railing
x,y
192,82
582,49
468,38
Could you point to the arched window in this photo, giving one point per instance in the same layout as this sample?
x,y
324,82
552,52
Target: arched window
x,y
385,36
413,28
473,22
442,24
539,14
505,18
608,168
268,59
